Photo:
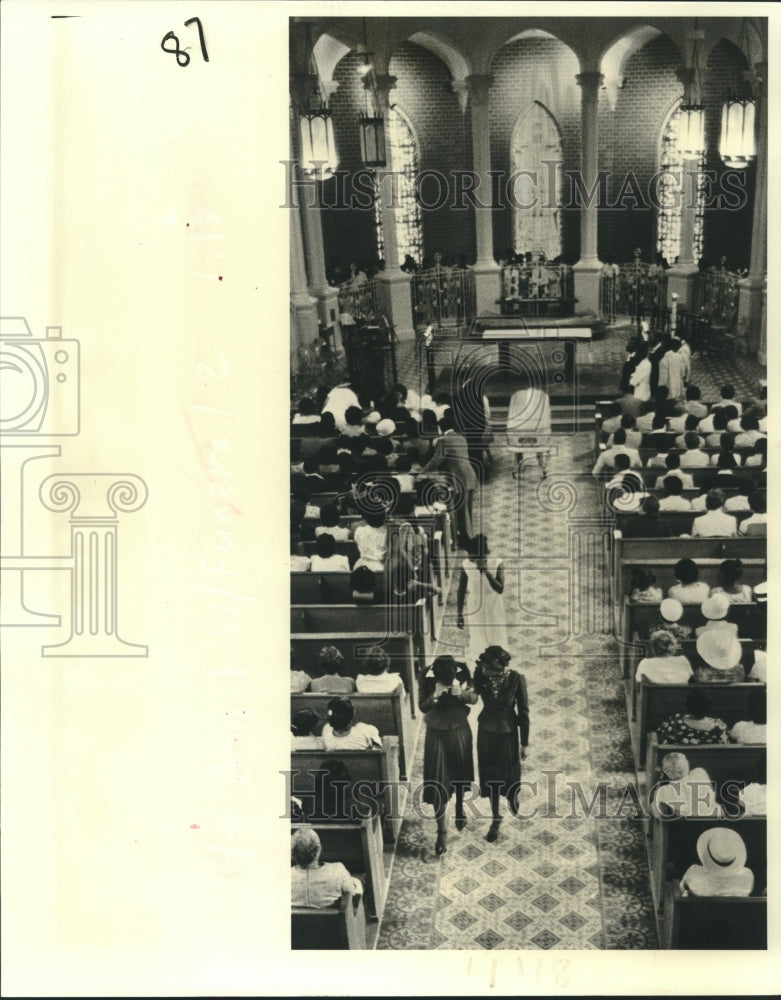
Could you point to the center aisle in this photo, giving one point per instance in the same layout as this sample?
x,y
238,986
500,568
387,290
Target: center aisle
x,y
564,878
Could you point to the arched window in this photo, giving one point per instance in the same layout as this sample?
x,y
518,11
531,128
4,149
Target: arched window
x,y
672,191
535,158
402,158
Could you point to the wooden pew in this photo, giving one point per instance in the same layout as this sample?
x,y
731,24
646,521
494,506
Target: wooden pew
x,y
305,652
657,702
680,521
376,769
358,845
329,929
362,618
329,588
638,618
347,548
724,762
674,848
688,921
703,479
385,711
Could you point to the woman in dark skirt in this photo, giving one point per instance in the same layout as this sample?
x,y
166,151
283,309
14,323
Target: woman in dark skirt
x,y
505,711
448,768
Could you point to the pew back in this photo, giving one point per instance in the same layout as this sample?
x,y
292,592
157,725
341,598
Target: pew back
x,y
713,922
338,929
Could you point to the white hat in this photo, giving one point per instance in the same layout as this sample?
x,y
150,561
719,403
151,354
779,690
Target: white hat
x,y
715,607
721,849
386,427
671,609
719,647
372,418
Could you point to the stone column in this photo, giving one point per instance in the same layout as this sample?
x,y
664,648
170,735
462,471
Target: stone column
x,y
488,275
753,288
303,306
394,290
681,276
94,502
587,269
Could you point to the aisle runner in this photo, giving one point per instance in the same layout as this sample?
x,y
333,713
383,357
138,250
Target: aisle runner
x,y
549,881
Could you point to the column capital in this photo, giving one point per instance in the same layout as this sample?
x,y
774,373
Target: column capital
x,y
479,84
383,83
591,80
98,496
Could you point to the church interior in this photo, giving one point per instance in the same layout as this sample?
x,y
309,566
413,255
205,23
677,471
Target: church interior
x,y
528,290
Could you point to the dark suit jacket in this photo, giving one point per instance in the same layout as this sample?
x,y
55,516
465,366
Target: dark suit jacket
x,y
451,454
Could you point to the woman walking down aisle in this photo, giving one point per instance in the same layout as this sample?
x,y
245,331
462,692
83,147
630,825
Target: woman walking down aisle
x,y
448,766
480,587
505,711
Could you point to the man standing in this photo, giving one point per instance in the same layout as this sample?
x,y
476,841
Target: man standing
x,y
673,371
452,454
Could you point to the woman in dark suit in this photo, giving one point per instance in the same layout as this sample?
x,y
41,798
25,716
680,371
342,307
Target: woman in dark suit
x,y
505,712
448,768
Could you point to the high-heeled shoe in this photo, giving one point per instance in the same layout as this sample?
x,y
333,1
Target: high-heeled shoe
x,y
493,831
460,822
441,845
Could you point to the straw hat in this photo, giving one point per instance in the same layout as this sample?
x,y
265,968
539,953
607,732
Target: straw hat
x,y
386,427
719,648
373,417
715,607
671,609
721,850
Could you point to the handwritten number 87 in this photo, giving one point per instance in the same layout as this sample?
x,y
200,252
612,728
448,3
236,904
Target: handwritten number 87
x,y
182,57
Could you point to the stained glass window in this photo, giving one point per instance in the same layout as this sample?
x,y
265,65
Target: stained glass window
x,y
671,193
402,158
535,155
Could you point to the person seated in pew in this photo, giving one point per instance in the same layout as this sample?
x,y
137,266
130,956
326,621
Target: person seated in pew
x,y
721,871
756,524
625,492
719,421
401,473
714,523
371,537
687,791
648,524
689,427
670,614
689,589
628,404
326,558
353,422
758,457
694,726
750,432
341,733
306,413
306,722
332,682
726,446
646,419
299,563
362,582
673,499
628,422
642,586
758,671
299,681
693,457
328,459
753,797
730,572
719,651
667,665
715,610
672,463
727,398
303,496
693,402
658,437
377,679
329,524
737,503
753,729
314,883
606,460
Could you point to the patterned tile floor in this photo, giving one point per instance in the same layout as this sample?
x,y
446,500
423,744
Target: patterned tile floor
x,y
561,879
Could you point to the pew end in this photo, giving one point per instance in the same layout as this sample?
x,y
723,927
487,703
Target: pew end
x,y
689,922
339,928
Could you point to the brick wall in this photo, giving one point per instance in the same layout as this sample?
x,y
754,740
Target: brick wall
x,y
528,70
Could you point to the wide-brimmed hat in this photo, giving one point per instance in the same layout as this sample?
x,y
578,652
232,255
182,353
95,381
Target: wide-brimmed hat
x,y
721,850
719,647
671,609
386,427
715,607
